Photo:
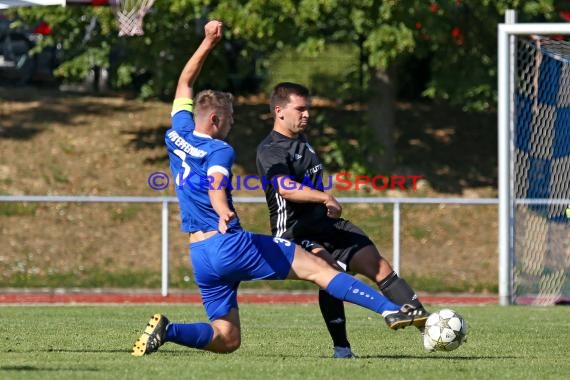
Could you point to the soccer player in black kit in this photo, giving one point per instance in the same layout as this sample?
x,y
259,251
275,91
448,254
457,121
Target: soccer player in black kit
x,y
299,209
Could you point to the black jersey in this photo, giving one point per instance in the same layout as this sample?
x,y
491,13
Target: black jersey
x,y
279,155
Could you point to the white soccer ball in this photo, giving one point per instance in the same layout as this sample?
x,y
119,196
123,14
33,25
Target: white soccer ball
x,y
445,330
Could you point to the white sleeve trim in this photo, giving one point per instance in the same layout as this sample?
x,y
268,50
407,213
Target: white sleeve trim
x,y
218,169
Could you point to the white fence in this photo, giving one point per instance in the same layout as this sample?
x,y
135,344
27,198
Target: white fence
x,y
166,200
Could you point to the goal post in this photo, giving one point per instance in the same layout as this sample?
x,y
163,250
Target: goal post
x,y
534,162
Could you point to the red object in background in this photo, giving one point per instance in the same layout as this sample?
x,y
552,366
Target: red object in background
x,y
419,25
457,35
433,7
43,28
565,15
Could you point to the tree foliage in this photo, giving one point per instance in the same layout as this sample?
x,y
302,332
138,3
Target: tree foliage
x,y
458,37
454,41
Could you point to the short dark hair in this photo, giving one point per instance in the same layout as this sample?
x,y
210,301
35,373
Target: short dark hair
x,y
282,92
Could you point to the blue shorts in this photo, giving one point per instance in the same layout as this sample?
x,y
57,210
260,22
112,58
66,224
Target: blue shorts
x,y
221,262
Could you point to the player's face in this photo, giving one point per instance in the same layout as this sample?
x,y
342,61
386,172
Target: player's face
x,y
295,115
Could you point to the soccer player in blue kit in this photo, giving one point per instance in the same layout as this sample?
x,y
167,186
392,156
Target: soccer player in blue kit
x,y
222,253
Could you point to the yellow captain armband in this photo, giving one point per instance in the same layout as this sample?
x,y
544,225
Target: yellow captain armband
x,y
182,104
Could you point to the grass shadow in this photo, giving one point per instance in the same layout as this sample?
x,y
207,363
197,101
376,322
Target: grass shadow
x,y
44,369
149,139
43,107
431,357
18,133
452,149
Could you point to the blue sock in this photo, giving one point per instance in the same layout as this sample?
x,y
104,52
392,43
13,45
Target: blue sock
x,y
348,288
196,335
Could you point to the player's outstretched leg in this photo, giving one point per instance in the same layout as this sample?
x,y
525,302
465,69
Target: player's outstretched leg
x,y
408,315
152,337
398,290
368,262
347,288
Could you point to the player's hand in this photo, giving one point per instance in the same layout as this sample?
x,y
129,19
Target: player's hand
x,y
213,31
334,209
224,220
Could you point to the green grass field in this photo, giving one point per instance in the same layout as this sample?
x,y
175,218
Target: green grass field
x,y
279,342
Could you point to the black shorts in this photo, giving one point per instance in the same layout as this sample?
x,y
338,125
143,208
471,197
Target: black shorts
x,y
341,239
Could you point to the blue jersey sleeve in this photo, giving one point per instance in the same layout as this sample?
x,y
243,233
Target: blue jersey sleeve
x,y
181,115
221,160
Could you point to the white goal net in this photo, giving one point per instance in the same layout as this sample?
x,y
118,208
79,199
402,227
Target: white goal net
x,y
540,164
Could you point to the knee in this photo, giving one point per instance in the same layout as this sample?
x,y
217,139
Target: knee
x,y
232,345
371,264
229,344
226,341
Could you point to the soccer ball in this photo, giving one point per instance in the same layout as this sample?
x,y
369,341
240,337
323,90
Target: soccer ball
x,y
445,330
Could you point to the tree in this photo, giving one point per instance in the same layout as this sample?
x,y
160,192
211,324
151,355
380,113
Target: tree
x,y
89,37
457,38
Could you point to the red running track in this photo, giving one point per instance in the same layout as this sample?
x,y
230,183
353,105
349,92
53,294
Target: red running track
x,y
29,298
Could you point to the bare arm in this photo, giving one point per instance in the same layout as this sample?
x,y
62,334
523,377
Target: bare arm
x,y
213,34
219,199
296,192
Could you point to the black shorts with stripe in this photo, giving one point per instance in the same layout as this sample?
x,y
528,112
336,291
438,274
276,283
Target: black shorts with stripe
x,y
341,239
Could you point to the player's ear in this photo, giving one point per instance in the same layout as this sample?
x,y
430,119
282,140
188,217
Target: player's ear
x,y
214,119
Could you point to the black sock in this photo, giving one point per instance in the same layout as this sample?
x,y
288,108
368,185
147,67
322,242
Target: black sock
x,y
397,290
332,310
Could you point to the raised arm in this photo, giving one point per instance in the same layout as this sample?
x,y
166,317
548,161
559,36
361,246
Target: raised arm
x,y
213,34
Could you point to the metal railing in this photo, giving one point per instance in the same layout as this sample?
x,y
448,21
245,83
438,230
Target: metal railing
x,y
166,200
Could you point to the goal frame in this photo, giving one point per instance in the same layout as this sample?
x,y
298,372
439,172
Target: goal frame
x,y
505,126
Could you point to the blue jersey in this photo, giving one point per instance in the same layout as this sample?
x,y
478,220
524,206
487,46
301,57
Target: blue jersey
x,y
193,157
